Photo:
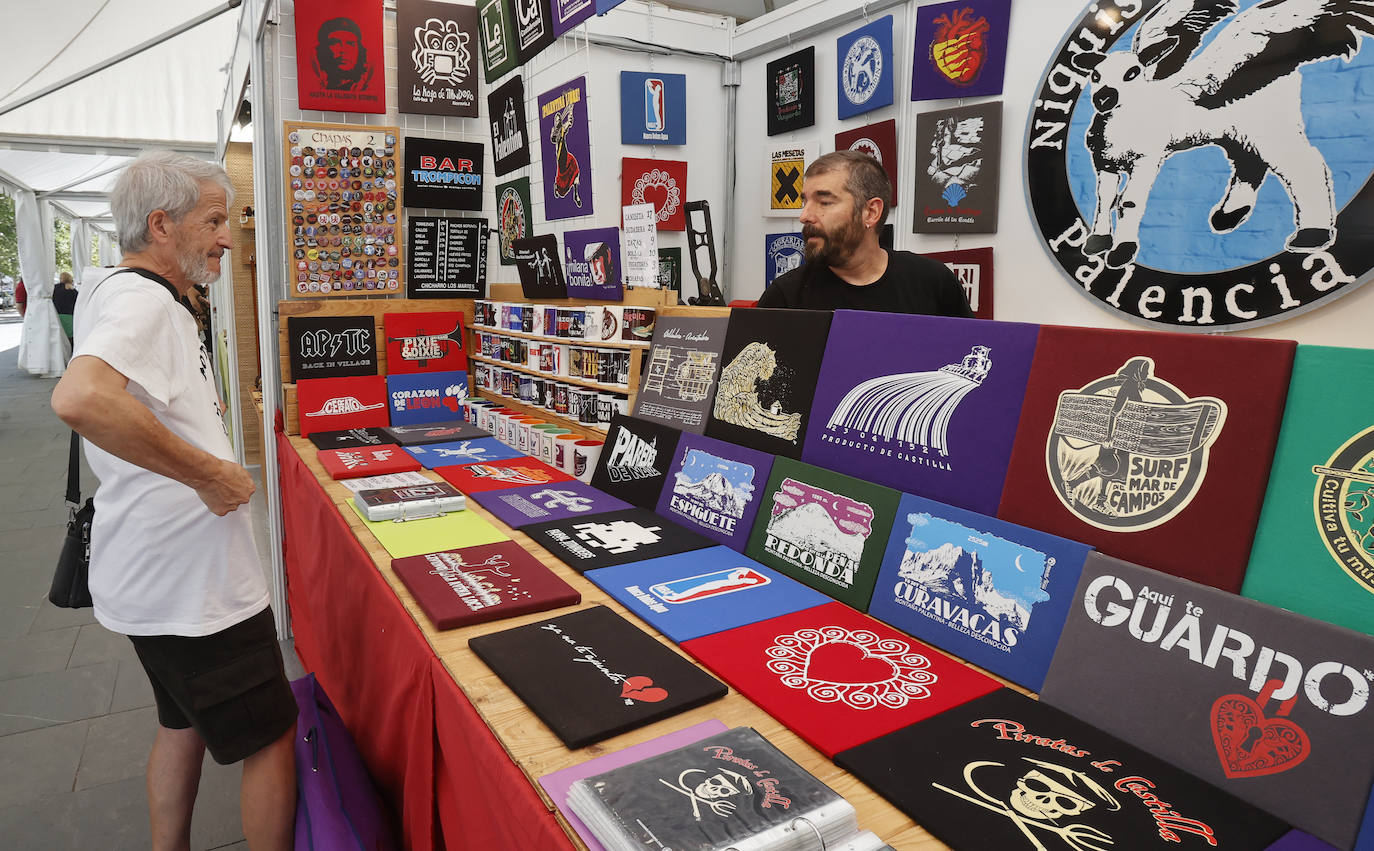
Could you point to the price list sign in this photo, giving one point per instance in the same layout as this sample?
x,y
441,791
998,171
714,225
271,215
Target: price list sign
x,y
447,257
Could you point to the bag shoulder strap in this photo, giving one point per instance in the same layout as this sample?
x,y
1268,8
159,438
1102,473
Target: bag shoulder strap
x,y
74,472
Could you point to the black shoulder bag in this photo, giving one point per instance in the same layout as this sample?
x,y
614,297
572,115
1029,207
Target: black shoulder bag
x,y
70,584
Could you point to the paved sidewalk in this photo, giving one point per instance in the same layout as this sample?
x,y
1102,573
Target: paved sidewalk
x,y
76,711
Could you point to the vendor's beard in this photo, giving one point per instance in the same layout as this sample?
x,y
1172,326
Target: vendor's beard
x,y
835,248
195,267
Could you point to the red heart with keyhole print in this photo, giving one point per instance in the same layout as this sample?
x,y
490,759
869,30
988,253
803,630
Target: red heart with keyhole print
x,y
1251,745
642,689
847,664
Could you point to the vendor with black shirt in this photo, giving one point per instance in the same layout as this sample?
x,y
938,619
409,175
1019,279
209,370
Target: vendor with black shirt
x,y
844,204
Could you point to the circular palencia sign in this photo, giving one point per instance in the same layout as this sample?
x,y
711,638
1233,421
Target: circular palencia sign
x,y
1205,170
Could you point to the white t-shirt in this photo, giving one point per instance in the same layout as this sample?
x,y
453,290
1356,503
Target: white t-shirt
x,y
161,562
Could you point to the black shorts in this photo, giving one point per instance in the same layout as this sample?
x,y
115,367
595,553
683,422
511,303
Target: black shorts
x,y
230,686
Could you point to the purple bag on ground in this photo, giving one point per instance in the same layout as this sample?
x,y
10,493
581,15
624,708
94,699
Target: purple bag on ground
x,y
337,807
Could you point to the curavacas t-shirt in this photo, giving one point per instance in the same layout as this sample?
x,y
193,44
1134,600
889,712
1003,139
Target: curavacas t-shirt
x,y
911,284
161,562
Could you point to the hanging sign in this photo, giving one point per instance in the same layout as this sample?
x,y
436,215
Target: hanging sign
x,y
437,58
569,13
865,68
782,252
973,268
342,190
662,183
541,275
961,49
958,165
670,269
533,21
641,245
653,108
592,263
512,216
879,141
339,55
565,151
792,92
499,53
786,165
448,257
443,174
509,137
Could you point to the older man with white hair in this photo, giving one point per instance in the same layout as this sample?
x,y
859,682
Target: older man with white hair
x,y
173,563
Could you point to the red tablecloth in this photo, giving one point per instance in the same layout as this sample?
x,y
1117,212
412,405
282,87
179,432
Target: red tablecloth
x,y
446,777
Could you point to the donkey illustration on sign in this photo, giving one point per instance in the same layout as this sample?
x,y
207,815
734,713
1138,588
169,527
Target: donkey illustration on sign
x,y
1241,93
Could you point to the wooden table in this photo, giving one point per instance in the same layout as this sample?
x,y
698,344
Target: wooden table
x,y
377,656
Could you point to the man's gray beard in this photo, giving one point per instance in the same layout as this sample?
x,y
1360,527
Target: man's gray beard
x,y
195,267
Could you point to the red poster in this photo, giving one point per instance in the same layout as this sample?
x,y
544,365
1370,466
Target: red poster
x,y
336,404
879,141
973,268
662,183
339,55
424,342
367,461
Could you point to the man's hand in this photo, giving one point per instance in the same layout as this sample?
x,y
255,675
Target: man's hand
x,y
227,489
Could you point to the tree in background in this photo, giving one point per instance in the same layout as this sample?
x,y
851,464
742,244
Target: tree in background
x,y
9,239
62,231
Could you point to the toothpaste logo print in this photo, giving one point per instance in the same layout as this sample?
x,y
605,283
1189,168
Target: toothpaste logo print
x,y
854,667
1129,451
1343,505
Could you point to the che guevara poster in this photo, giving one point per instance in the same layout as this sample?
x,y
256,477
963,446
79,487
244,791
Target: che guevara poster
x,y
340,65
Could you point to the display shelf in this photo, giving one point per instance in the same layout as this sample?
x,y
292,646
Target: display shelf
x,y
623,389
545,338
581,428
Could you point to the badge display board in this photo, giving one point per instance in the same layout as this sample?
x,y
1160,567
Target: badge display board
x,y
961,49
331,346
443,174
340,58
992,593
698,593
454,530
864,71
936,419
510,147
334,404
565,151
662,183
782,252
967,775
879,141
501,475
480,450
836,677
447,258
350,438
973,268
426,397
1314,547
958,169
556,783
726,792
499,52
512,217
592,264
437,58
617,537
541,272
366,461
770,365
1150,447
1268,705
590,674
533,27
791,90
483,583
715,488
653,108
442,432
679,375
521,507
424,342
824,529
634,462
340,181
